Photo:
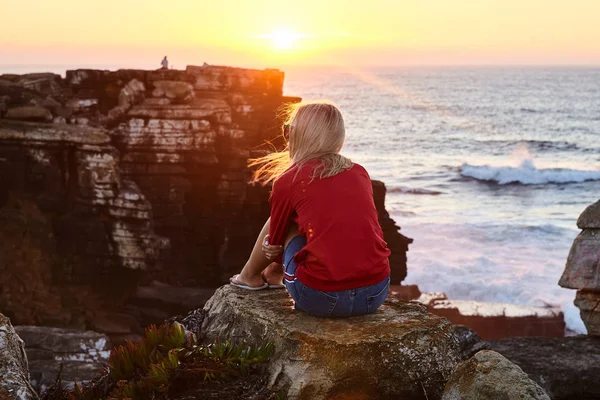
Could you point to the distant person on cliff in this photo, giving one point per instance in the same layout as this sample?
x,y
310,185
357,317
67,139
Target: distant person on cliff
x,y
323,226
164,63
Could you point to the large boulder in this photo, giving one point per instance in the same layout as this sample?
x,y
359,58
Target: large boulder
x,y
566,368
14,371
400,352
590,217
489,375
83,354
583,267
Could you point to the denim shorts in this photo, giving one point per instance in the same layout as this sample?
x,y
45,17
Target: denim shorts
x,y
344,303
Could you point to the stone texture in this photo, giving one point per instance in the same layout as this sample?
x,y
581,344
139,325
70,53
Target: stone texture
x,y
469,341
582,271
67,218
489,375
82,354
397,242
29,113
588,302
45,83
14,370
216,78
399,352
590,217
583,264
174,90
566,368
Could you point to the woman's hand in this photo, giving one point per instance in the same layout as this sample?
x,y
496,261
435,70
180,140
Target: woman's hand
x,y
271,251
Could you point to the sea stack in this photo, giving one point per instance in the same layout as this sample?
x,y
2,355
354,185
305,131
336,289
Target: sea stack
x,y
582,271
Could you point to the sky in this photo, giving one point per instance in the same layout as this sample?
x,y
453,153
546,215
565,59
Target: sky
x,y
279,33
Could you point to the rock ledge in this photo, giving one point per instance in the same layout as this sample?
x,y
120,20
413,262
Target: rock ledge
x,y
401,351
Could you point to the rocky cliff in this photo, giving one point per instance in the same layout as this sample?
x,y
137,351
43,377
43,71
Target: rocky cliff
x,y
14,370
109,179
582,271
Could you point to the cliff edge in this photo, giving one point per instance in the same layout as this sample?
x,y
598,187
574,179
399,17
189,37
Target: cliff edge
x,y
109,179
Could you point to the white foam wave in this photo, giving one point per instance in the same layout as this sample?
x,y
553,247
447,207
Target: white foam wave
x,y
527,174
408,190
467,262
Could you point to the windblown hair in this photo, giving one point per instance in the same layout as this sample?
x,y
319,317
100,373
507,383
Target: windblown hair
x,y
317,132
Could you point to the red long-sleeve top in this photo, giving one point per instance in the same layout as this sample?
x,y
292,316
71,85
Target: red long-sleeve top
x,y
345,247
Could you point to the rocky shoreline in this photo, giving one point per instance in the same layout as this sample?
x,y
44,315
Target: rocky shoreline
x,y
124,201
111,180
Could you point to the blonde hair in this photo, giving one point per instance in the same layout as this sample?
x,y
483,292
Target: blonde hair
x,y
316,132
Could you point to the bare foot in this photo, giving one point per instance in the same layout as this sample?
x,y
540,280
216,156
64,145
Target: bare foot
x,y
273,274
252,281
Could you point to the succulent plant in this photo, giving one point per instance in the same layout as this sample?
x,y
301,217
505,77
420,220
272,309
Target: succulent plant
x,y
149,368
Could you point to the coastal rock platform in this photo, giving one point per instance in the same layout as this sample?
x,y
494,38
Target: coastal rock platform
x,y
400,352
566,368
82,354
489,375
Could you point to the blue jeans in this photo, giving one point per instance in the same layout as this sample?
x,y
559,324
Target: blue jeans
x,y
344,303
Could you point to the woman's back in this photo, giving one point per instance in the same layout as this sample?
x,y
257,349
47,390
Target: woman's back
x,y
337,216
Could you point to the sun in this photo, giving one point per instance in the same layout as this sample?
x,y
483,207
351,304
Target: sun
x,y
283,39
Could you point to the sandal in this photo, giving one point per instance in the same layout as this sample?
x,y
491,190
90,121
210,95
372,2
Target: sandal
x,y
234,281
274,286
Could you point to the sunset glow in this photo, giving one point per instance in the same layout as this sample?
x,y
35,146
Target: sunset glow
x,y
275,33
283,39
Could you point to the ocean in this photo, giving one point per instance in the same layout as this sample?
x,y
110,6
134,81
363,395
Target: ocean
x,y
487,169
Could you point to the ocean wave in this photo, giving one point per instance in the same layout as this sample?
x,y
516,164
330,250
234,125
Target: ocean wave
x,y
535,145
527,174
407,190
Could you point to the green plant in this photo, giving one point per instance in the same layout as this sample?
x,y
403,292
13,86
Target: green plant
x,y
137,358
165,358
280,395
222,360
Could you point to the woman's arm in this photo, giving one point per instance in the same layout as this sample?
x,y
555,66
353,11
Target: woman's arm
x,y
282,214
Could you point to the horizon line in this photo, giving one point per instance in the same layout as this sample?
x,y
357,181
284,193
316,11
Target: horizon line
x,y
473,65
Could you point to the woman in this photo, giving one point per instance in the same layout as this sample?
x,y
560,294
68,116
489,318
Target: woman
x,y
335,262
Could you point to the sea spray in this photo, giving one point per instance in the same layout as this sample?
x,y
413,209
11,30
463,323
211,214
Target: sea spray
x,y
525,172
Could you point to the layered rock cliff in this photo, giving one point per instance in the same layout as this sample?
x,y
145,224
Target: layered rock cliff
x,y
582,271
112,178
